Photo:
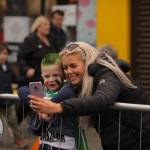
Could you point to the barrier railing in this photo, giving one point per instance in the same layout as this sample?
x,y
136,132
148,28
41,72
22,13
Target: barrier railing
x,y
117,105
5,140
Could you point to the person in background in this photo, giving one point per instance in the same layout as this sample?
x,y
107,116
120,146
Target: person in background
x,y
35,46
7,77
59,132
57,35
100,81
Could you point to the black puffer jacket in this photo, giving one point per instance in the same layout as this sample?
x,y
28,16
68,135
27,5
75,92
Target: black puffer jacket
x,y
107,90
30,55
58,38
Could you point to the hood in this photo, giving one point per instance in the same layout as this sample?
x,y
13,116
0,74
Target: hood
x,y
94,68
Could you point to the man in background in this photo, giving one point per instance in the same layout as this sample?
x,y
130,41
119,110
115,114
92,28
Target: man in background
x,y
57,35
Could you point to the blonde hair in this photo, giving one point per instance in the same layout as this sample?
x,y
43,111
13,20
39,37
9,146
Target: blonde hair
x,y
38,21
90,55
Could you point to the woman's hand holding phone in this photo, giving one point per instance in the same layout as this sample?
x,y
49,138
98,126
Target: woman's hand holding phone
x,y
44,106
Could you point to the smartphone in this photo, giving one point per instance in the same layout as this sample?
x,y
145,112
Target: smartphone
x,y
36,89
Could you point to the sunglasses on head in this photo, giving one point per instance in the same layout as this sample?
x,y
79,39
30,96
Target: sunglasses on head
x,y
72,47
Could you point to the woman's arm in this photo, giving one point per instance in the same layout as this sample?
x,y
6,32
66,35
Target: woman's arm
x,y
103,98
44,106
64,94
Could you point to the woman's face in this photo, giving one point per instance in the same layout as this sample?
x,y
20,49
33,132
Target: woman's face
x,y
73,67
44,28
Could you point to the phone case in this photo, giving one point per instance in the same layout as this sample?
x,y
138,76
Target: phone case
x,y
36,89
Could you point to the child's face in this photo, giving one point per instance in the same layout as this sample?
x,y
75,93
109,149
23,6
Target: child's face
x,y
50,74
3,56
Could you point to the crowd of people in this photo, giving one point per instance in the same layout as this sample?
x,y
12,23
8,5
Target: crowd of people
x,y
82,83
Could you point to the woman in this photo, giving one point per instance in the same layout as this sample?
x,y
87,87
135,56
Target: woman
x,y
35,46
100,83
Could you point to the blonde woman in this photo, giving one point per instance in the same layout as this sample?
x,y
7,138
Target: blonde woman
x,y
32,50
99,79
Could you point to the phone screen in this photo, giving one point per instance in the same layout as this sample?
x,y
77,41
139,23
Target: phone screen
x,y
36,89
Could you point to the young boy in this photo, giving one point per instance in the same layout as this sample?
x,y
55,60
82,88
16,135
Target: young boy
x,y
7,77
56,132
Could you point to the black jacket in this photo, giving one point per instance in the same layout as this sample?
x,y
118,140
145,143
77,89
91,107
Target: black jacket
x,y
30,55
6,79
107,90
58,39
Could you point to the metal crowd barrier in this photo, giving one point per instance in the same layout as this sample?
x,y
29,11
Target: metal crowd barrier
x,y
119,106
6,139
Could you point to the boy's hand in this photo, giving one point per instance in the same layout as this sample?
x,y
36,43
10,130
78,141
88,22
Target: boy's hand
x,y
46,117
40,116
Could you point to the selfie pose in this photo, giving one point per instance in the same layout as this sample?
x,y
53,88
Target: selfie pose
x,y
100,80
